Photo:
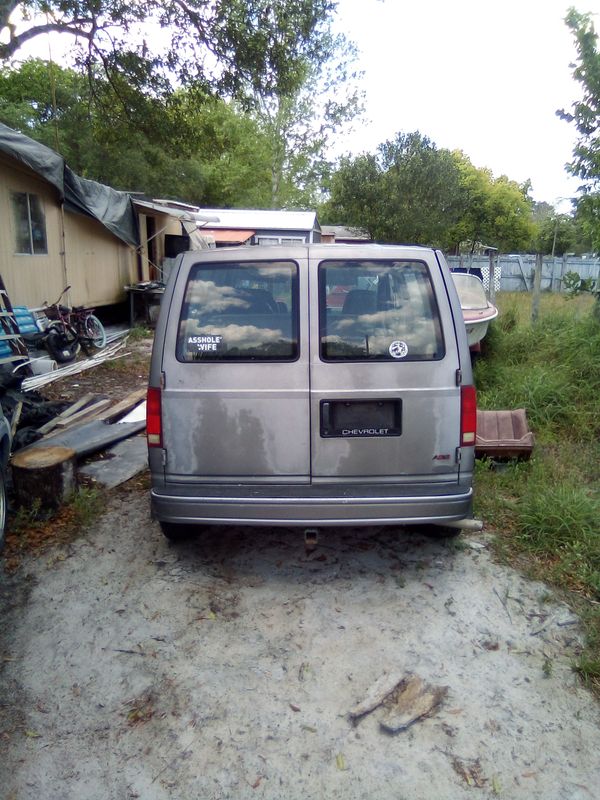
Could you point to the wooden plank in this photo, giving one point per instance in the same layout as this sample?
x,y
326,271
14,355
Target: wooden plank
x,y
89,411
15,418
125,405
376,694
69,411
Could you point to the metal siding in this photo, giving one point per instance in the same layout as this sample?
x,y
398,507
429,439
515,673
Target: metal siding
x,y
98,264
30,279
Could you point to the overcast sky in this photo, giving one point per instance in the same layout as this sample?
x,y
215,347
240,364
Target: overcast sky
x,y
482,76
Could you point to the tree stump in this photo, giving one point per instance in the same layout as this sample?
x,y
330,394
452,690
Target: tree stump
x,y
44,474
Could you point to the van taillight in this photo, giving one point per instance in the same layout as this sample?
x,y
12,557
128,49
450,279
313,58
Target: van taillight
x,y
468,416
153,418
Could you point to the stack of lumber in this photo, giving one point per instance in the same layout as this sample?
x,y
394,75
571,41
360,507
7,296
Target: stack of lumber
x,y
45,471
87,424
89,407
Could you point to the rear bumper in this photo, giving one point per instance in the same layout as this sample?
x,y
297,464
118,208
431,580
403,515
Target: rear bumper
x,y
340,506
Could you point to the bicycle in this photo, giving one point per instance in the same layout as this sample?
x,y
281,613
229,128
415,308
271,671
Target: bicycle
x,y
69,329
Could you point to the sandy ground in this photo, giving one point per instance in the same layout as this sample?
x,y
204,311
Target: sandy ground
x,y
225,668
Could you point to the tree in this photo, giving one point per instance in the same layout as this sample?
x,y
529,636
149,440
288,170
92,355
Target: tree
x,y
278,58
355,197
191,146
300,124
410,191
555,234
508,225
585,114
225,45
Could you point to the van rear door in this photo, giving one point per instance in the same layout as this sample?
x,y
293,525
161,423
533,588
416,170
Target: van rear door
x,y
236,399
384,359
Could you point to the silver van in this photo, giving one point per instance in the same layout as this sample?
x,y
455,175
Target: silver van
x,y
310,385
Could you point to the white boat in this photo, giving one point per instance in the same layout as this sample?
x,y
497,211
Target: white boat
x,y
477,310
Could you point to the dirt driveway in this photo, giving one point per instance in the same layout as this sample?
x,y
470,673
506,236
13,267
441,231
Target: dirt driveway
x,y
226,668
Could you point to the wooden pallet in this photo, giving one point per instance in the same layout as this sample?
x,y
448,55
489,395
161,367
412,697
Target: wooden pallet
x,y
503,434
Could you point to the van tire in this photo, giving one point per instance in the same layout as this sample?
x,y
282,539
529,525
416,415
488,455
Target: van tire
x,y
176,532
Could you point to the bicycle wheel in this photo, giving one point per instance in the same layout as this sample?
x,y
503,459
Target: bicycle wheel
x,y
94,330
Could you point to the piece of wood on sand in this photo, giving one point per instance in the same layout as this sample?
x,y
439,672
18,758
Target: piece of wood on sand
x,y
412,700
377,693
45,475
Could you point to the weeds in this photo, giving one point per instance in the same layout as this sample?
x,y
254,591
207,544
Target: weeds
x,y
139,332
34,528
85,504
547,510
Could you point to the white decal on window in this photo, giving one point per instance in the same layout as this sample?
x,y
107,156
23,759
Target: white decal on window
x,y
204,343
398,349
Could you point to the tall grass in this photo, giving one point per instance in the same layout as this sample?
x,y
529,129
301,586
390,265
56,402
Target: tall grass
x,y
548,509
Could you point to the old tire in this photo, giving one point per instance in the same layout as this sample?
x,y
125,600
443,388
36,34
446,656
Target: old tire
x,y
61,346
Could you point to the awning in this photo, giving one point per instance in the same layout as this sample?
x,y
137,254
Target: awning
x,y
229,236
185,215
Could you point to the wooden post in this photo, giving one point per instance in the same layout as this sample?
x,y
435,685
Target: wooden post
x,y
44,474
492,291
537,287
563,272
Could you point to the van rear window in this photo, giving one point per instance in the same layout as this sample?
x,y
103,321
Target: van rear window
x,y
240,312
378,310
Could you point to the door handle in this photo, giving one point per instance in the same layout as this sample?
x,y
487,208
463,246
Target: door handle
x,y
325,416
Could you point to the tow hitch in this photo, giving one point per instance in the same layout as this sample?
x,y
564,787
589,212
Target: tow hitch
x,y
311,539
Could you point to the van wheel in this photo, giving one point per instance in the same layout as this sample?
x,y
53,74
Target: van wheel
x,y
176,532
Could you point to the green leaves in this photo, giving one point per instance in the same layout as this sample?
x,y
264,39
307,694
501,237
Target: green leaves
x,y
412,192
585,115
190,145
229,45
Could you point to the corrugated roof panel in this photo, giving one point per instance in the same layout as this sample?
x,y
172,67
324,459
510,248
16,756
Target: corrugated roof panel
x,y
261,219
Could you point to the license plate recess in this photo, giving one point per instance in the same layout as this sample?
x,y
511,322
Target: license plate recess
x,y
361,418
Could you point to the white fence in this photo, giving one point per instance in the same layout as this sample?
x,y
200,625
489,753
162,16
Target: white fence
x,y
515,273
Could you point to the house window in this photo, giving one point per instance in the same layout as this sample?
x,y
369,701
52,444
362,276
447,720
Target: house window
x,y
280,240
30,225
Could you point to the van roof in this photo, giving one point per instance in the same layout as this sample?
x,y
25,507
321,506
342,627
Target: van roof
x,y
275,250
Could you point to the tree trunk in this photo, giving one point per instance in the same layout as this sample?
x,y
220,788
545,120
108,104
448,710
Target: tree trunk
x,y
45,475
